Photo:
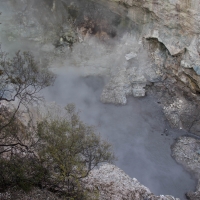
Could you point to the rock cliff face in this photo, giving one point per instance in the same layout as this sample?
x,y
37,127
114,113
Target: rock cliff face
x,y
175,23
172,33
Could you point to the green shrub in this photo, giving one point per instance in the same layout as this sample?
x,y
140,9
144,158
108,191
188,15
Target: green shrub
x,y
70,149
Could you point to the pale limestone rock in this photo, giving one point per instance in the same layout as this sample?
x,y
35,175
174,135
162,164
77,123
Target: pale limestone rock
x,y
113,184
130,55
117,89
185,64
175,23
54,6
138,85
186,152
138,90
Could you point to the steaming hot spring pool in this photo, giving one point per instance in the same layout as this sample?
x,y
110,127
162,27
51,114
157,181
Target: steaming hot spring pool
x,y
136,131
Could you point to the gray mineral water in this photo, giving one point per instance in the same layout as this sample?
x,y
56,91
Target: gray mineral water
x,y
138,131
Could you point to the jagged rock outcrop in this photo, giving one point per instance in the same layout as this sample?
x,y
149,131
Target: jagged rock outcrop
x,y
132,75
113,184
176,24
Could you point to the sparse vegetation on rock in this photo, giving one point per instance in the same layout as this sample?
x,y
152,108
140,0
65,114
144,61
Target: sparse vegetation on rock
x,y
54,154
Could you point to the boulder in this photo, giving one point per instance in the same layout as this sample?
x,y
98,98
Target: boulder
x,y
113,184
186,152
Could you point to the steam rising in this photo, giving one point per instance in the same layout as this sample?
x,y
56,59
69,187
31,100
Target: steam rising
x,y
137,130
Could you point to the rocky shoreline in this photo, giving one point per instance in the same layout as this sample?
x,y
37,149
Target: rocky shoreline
x,y
108,182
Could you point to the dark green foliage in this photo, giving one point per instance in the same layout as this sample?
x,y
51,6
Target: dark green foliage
x,y
58,152
70,150
21,173
62,154
21,79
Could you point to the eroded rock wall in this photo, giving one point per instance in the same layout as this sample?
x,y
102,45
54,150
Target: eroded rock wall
x,y
176,24
172,33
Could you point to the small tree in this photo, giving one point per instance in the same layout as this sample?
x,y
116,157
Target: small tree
x,y
21,79
56,154
70,149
